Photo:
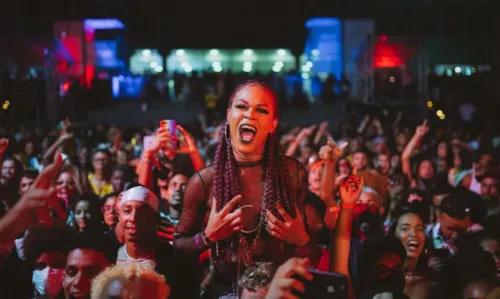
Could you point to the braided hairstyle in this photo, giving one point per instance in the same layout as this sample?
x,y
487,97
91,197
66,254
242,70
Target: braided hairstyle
x,y
278,185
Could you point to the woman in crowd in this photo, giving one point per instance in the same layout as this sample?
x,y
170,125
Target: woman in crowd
x,y
408,227
255,194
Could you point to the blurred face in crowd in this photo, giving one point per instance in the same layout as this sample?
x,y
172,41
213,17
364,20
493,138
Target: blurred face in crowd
x,y
121,158
489,187
387,270
442,150
251,117
410,230
493,247
9,169
361,160
383,163
395,161
29,149
371,200
101,161
81,268
452,229
83,156
315,179
401,139
65,185
425,170
139,220
83,214
109,212
48,271
355,144
344,168
25,184
483,163
176,187
118,180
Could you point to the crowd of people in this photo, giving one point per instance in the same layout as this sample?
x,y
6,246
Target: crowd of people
x,y
247,207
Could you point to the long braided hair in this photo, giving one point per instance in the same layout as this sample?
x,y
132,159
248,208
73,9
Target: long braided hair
x,y
277,188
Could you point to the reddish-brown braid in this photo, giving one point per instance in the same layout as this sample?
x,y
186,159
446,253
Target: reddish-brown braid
x,y
226,182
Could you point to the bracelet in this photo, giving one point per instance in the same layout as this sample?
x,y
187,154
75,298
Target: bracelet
x,y
348,206
205,239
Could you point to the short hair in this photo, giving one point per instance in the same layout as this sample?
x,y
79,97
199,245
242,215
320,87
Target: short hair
x,y
42,239
130,271
456,206
96,241
30,173
258,276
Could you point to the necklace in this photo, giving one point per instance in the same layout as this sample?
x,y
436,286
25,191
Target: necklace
x,y
258,225
249,164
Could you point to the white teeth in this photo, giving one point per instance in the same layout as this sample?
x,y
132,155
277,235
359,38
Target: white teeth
x,y
248,127
413,243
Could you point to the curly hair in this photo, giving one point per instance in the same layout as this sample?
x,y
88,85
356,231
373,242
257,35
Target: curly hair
x,y
42,239
132,272
277,188
258,276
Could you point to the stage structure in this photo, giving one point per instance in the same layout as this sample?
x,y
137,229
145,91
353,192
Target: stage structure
x,y
96,48
235,60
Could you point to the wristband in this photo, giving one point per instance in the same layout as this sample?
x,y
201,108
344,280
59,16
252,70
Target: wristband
x,y
348,206
205,239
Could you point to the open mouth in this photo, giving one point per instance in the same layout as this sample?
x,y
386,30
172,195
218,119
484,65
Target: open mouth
x,y
412,245
247,133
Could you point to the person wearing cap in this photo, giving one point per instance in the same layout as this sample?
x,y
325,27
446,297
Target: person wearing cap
x,y
139,215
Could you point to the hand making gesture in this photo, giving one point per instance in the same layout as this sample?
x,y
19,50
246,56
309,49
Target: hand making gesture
x,y
423,129
291,230
332,152
351,188
224,223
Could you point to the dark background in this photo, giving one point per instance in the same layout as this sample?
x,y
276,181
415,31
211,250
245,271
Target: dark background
x,y
165,24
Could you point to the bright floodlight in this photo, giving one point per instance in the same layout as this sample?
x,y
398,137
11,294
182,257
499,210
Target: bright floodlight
x,y
247,64
247,52
309,64
216,64
146,52
185,64
188,69
214,52
279,64
315,52
153,64
159,69
458,70
180,52
281,52
276,69
218,69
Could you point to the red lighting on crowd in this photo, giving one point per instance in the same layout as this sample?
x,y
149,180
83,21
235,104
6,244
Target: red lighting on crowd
x,y
383,38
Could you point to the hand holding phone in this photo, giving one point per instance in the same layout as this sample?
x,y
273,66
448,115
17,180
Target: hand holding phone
x,y
289,279
326,285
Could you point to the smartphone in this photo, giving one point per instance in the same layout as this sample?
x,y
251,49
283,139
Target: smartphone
x,y
326,285
171,126
146,142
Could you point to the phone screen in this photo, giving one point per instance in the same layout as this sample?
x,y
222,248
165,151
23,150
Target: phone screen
x,y
325,285
146,142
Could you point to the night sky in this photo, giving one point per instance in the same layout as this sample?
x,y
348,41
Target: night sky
x,y
167,24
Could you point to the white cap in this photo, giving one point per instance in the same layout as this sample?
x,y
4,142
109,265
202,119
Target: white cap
x,y
141,194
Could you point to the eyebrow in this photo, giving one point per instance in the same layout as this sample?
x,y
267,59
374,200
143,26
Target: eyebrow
x,y
258,105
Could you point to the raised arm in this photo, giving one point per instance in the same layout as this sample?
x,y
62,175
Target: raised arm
x,y
410,148
330,154
350,191
192,216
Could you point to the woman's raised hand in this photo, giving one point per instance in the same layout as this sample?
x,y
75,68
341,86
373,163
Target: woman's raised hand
x,y
332,152
224,223
351,188
422,129
291,230
163,140
188,145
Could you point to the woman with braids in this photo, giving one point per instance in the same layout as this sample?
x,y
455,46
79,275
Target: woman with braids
x,y
254,193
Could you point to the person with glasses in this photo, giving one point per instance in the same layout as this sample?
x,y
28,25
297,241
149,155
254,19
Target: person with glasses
x,y
99,180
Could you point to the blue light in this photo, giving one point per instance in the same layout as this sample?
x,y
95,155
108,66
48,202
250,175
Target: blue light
x,y
322,22
104,24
